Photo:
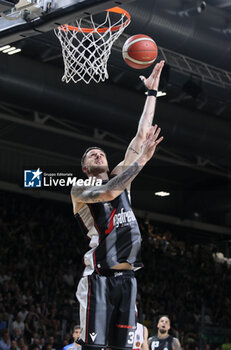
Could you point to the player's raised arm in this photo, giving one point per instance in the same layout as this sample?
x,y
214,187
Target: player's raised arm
x,y
152,84
115,186
146,119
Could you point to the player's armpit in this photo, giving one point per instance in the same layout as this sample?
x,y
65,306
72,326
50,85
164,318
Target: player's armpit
x,y
118,169
176,344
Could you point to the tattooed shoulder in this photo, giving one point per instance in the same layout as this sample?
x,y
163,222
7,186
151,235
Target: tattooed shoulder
x,y
87,194
77,190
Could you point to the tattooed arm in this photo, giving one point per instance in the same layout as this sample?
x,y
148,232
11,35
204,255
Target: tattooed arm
x,y
146,119
114,187
176,344
110,190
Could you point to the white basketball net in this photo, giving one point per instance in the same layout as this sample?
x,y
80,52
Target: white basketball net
x,y
85,54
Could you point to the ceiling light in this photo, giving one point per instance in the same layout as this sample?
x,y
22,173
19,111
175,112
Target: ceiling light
x,y
9,49
162,194
14,51
4,47
161,93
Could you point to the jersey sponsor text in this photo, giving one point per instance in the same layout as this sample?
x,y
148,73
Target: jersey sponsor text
x,y
123,218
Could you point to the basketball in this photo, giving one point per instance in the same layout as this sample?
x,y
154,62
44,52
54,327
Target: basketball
x,y
139,51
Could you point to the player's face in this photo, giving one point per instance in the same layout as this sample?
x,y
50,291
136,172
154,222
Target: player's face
x,y
163,325
76,334
96,162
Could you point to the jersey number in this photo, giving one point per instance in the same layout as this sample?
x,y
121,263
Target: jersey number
x,y
155,344
131,337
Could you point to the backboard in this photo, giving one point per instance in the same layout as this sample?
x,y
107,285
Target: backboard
x,y
20,19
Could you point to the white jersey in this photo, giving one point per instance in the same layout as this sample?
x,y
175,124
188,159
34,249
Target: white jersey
x,y
138,337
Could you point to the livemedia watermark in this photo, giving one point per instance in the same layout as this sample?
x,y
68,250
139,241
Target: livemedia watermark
x,y
37,179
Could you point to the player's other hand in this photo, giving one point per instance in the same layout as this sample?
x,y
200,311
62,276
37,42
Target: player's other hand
x,y
151,142
152,82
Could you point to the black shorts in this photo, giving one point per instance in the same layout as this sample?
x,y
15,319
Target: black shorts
x,y
107,309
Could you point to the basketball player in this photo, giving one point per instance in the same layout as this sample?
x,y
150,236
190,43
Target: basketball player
x,y
75,335
107,290
164,341
140,338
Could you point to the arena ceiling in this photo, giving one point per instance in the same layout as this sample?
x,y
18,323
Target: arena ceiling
x,y
47,123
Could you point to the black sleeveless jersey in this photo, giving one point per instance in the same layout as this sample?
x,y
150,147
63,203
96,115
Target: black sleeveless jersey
x,y
156,343
113,232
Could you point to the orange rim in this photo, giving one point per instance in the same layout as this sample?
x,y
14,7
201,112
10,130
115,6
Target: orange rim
x,y
66,27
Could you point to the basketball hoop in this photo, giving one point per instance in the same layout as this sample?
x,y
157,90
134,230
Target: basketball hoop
x,y
86,50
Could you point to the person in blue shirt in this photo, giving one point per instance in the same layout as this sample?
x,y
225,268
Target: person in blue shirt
x,y
75,335
5,342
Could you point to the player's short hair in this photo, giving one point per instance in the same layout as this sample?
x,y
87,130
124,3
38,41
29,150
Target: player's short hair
x,y
88,150
76,327
163,316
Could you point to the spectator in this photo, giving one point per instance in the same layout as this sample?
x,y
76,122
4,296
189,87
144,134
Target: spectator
x,y
2,323
5,342
23,313
19,324
51,341
16,334
22,343
14,345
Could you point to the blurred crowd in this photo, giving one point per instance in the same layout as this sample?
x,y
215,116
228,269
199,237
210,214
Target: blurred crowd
x,y
41,254
183,280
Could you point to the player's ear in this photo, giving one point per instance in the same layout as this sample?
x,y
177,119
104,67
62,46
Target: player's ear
x,y
84,169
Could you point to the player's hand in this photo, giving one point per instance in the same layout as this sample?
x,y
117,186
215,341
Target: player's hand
x,y
152,82
151,142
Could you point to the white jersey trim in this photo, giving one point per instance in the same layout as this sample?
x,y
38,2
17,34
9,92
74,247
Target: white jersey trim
x,y
138,337
88,220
